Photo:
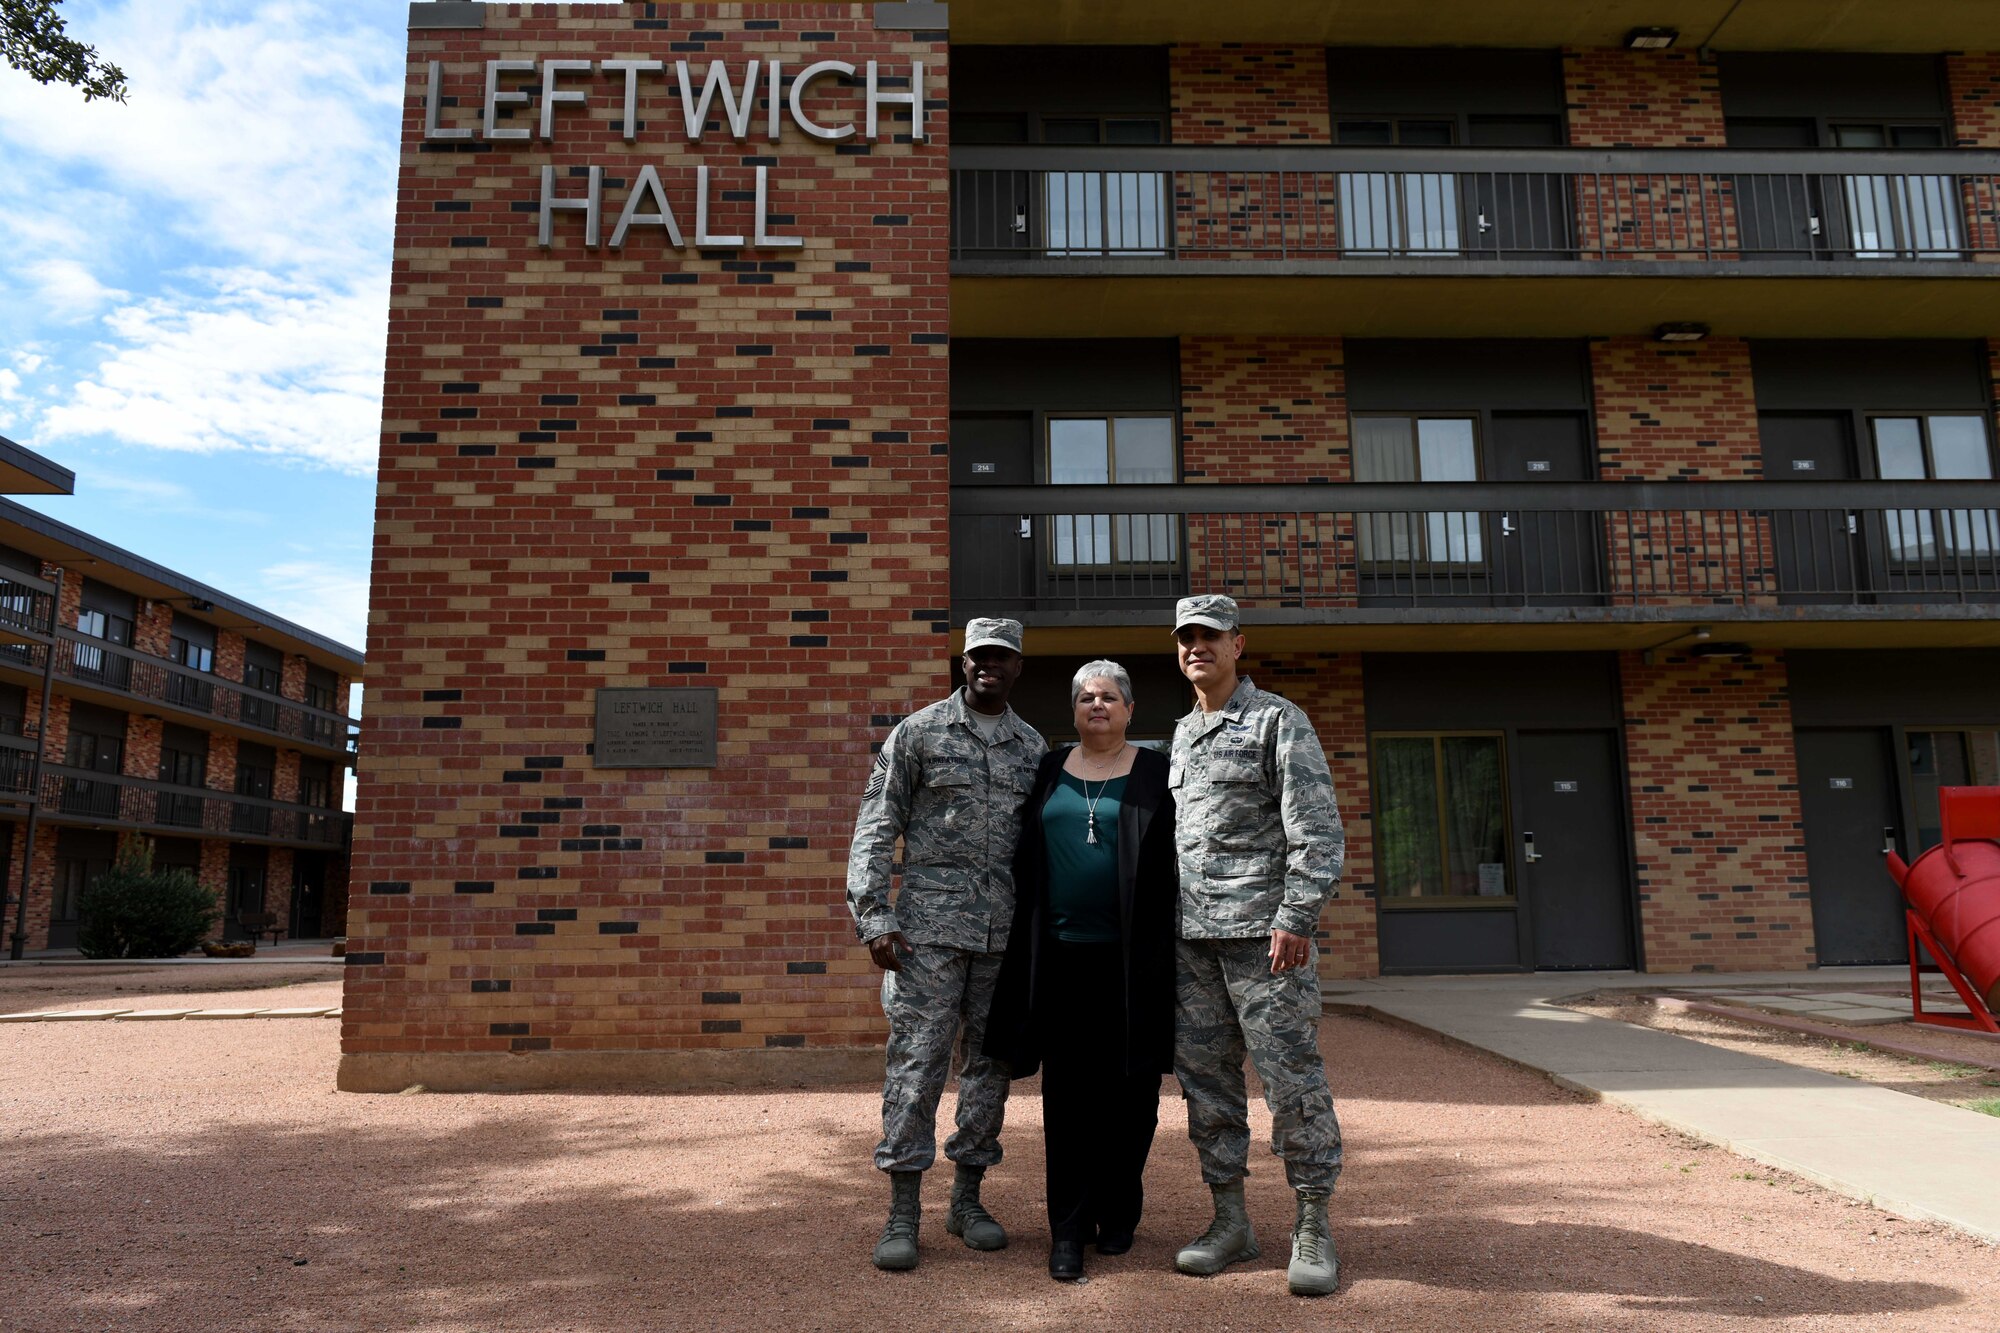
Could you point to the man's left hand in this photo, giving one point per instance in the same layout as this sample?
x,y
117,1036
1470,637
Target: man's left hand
x,y
1289,951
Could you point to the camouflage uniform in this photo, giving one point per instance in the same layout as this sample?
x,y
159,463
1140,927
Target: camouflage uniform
x,y
1260,848
956,802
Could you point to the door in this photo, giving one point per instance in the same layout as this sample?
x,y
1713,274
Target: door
x,y
1570,850
1544,559
993,555
1847,785
1518,214
246,889
308,895
1777,216
1818,552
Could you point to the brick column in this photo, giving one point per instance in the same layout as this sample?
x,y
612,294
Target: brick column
x,y
1972,81
1717,825
1247,93
647,467
1648,99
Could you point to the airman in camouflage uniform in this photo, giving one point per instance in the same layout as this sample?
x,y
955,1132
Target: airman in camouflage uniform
x,y
1260,847
950,781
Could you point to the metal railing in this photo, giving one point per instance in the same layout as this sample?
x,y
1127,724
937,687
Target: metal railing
x,y
82,795
119,669
1094,203
1581,544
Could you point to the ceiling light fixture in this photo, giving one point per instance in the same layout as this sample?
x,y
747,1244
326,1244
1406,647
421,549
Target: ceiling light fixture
x,y
1651,39
1680,333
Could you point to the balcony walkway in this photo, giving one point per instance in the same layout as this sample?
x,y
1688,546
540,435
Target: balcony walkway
x,y
1915,1158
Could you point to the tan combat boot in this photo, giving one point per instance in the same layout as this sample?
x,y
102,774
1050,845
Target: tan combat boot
x,y
1314,1271
1228,1239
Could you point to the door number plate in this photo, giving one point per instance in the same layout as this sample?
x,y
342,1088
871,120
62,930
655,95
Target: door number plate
x,y
984,469
1565,786
1538,465
1841,784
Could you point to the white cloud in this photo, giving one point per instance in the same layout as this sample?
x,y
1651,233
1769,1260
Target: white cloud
x,y
69,291
10,387
258,122
29,362
158,495
314,594
252,363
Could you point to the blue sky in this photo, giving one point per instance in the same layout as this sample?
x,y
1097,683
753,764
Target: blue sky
x,y
194,285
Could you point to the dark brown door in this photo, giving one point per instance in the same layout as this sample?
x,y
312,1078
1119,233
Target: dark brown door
x,y
1575,875
993,555
1777,216
1818,552
1544,558
1847,786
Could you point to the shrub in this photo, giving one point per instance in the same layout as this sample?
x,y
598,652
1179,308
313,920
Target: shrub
x,y
135,911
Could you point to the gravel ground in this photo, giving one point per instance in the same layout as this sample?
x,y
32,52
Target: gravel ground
x,y
1944,1078
206,1175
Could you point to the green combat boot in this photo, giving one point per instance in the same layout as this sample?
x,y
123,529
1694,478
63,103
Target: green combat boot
x,y
1314,1270
896,1252
1228,1239
969,1219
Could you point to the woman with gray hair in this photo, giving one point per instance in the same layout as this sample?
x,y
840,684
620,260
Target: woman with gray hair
x,y
1086,990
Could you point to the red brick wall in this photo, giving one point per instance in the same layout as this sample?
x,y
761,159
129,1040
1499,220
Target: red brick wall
x,y
1269,410
772,522
228,655
1972,80
1717,826
142,747
1245,93
292,683
1642,99
153,632
1328,687
221,775
1674,412
285,779
1680,412
1648,99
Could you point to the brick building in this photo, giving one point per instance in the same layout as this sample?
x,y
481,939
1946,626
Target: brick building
x,y
163,708
1596,423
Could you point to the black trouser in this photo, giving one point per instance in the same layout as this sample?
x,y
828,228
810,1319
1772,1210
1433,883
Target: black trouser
x,y
1097,1121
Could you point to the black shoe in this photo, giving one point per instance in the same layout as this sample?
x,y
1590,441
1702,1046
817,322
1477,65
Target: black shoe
x,y
1066,1260
1113,1242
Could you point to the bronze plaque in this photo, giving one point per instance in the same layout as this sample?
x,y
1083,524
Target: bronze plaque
x,y
644,728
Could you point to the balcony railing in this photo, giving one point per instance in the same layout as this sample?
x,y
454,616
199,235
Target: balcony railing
x,y
1079,206
122,670
1470,544
73,795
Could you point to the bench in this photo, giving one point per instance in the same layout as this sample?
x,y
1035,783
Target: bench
x,y
255,924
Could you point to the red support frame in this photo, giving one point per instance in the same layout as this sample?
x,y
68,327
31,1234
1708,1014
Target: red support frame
x,y
1977,1019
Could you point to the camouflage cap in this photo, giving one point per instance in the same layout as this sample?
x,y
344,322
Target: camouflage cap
x,y
1211,609
993,634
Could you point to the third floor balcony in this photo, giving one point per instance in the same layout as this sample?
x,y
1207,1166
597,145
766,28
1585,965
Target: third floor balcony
x,y
1598,564
1142,240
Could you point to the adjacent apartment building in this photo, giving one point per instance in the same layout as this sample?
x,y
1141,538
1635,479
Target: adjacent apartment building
x,y
1592,408
135,700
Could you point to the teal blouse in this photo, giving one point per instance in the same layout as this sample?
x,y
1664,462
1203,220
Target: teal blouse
x,y
1083,876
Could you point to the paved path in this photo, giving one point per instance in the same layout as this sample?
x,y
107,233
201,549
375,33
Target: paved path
x,y
1916,1158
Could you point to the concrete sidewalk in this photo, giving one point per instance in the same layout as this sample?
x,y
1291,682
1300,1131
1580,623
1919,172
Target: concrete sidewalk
x,y
1916,1158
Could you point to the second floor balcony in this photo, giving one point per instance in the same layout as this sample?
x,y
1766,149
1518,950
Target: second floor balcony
x,y
1594,240
1812,559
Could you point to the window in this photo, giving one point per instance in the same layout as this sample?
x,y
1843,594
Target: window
x,y
193,656
1418,448
1104,212
183,763
1111,451
1955,758
1938,447
1892,217
1441,820
96,663
264,672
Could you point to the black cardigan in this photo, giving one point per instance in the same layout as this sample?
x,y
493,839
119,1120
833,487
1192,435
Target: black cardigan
x,y
1148,902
